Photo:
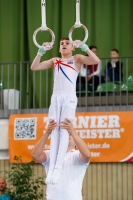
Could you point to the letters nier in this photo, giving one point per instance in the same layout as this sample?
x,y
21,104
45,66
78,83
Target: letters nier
x,y
104,121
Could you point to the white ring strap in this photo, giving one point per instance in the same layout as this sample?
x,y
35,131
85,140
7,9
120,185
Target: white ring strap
x,y
43,6
78,25
44,28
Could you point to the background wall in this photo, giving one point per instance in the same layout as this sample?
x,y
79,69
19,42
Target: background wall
x,y
103,181
109,23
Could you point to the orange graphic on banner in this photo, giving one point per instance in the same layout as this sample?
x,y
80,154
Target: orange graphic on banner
x,y
109,135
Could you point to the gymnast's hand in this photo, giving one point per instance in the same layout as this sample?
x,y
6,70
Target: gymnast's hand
x,y
76,43
47,45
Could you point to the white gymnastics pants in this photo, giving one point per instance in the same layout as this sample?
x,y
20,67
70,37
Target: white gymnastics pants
x,y
63,105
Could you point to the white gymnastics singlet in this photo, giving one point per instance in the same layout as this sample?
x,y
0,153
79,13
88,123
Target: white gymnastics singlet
x,y
65,75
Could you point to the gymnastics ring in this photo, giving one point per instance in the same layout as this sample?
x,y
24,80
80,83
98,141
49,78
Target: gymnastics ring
x,y
51,43
79,45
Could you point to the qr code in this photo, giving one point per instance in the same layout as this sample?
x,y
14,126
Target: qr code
x,y
25,128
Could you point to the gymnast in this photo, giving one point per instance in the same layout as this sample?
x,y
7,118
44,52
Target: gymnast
x,y
64,100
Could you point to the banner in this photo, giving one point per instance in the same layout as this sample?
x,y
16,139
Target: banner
x,y
109,135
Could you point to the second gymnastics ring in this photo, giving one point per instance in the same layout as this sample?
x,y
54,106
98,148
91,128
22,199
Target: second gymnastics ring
x,y
80,44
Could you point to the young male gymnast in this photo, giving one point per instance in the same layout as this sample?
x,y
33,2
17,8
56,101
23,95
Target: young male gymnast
x,y
63,100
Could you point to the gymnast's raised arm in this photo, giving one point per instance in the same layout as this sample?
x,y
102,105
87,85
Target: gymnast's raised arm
x,y
38,65
80,59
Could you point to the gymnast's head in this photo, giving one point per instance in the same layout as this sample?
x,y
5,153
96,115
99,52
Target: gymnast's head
x,y
66,47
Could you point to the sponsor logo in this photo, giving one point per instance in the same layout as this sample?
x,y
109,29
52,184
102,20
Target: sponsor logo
x,y
69,62
72,102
